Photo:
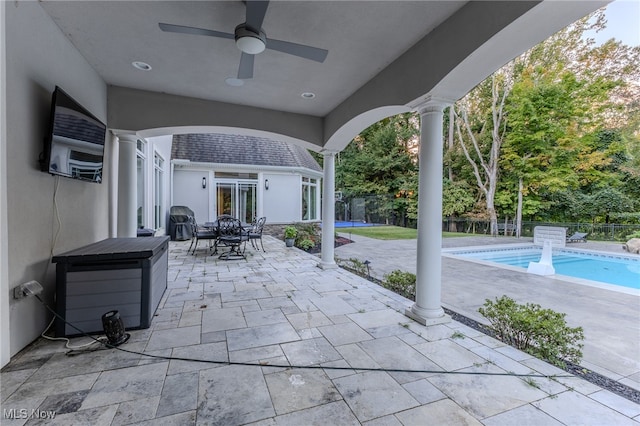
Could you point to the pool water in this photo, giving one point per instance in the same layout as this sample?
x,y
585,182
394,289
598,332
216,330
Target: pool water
x,y
605,268
353,224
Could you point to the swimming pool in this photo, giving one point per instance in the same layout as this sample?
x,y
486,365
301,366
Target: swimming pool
x,y
607,268
353,224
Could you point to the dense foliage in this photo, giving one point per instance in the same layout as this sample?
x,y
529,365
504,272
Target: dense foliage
x,y
307,235
540,332
382,162
401,282
551,136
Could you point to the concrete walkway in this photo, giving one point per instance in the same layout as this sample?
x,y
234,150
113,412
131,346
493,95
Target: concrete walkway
x,y
308,347
611,320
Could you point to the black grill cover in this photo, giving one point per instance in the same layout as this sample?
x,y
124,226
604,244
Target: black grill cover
x,y
179,228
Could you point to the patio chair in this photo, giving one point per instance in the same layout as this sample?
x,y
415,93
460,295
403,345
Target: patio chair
x,y
231,234
198,233
255,233
578,237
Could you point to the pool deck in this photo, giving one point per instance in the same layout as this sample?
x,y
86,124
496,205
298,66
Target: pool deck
x,y
277,310
611,320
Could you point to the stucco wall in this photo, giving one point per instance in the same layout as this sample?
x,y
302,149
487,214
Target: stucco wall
x,y
188,191
282,202
45,215
4,246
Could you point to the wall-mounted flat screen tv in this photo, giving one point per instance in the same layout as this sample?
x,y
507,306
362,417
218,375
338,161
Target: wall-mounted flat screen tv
x,y
74,145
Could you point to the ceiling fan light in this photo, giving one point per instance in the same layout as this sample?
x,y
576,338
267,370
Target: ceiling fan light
x,y
250,45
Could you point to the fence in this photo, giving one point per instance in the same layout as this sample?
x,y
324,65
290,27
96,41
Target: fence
x,y
379,209
595,231
390,210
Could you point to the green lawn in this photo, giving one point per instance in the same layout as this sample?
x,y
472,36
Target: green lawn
x,y
391,232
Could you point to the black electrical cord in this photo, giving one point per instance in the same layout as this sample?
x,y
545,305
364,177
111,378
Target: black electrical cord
x,y
310,367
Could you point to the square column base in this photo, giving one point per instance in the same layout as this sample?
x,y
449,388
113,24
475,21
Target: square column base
x,y
327,265
427,321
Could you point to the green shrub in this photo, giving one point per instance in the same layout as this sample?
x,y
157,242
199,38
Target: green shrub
x,y
354,265
542,333
633,235
306,244
403,283
307,231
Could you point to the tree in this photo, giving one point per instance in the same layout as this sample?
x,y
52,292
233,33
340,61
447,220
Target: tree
x,y
456,198
382,161
536,139
544,148
542,125
609,200
482,118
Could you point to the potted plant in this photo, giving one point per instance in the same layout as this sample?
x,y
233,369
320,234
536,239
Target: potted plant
x,y
290,233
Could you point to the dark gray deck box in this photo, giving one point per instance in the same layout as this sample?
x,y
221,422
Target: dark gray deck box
x,y
124,274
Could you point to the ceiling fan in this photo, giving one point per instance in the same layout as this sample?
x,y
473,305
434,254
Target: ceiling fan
x,y
251,39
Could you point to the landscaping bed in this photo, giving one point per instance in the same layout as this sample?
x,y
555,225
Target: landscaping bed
x,y
339,241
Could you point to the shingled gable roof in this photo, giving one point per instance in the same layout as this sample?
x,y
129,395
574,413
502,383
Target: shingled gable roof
x,y
237,149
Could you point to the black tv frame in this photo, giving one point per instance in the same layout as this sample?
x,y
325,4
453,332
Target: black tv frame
x,y
75,140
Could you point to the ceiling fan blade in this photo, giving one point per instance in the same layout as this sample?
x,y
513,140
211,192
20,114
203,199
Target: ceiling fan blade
x,y
301,50
171,28
255,13
245,70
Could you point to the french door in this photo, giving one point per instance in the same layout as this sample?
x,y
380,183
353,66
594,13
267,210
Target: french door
x,y
237,198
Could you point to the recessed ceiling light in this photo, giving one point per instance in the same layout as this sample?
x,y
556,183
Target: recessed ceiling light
x,y
235,82
308,95
141,65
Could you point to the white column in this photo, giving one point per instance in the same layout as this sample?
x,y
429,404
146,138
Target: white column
x,y
127,220
427,308
114,154
328,210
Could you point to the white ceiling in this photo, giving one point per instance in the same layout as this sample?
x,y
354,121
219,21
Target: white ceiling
x,y
384,57
362,38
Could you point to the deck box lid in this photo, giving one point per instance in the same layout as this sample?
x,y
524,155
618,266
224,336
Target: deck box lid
x,y
115,249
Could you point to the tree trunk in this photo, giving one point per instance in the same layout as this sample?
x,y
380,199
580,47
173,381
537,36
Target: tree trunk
x,y
451,137
484,169
453,225
493,220
519,210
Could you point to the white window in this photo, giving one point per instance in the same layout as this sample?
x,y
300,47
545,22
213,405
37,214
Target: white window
x,y
158,191
141,163
309,199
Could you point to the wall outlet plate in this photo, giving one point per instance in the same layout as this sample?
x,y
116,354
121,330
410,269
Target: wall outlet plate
x,y
30,288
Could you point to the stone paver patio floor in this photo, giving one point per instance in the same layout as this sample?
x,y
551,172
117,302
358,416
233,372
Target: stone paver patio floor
x,y
610,319
278,309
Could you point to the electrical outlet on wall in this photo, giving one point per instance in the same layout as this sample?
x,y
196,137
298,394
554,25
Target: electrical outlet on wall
x,y
30,288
